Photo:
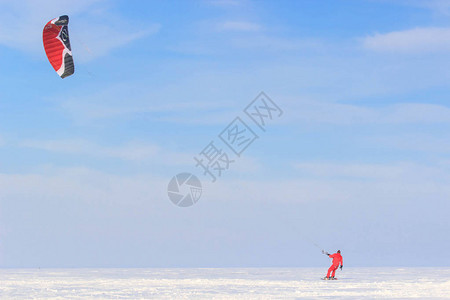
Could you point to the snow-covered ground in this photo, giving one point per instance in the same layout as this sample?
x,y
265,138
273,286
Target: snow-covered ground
x,y
248,283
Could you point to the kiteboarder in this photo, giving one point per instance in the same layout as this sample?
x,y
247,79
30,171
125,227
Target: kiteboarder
x,y
337,259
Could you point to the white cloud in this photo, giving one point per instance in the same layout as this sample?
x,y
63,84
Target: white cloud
x,y
397,181
94,40
93,30
133,151
440,6
417,40
409,113
81,185
315,182
21,22
353,170
415,113
246,164
239,26
302,110
167,103
342,182
266,43
83,109
417,142
136,151
225,3
437,6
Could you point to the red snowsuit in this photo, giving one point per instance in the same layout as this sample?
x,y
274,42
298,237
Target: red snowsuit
x,y
337,259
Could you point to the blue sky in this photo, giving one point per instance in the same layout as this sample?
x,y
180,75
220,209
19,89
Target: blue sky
x,y
359,161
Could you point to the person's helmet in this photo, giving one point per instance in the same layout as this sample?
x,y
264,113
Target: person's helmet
x,y
339,251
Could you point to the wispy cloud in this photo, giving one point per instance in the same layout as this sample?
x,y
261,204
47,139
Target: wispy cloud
x,y
417,40
21,23
396,181
436,144
84,185
437,6
340,182
166,102
95,40
132,151
441,6
345,182
239,26
338,113
225,3
270,44
353,170
94,31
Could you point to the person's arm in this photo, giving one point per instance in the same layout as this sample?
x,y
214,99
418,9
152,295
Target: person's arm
x,y
342,262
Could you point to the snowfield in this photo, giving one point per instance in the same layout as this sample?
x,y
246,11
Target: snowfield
x,y
223,283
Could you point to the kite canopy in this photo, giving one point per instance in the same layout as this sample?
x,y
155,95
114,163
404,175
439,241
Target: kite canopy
x,y
57,46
